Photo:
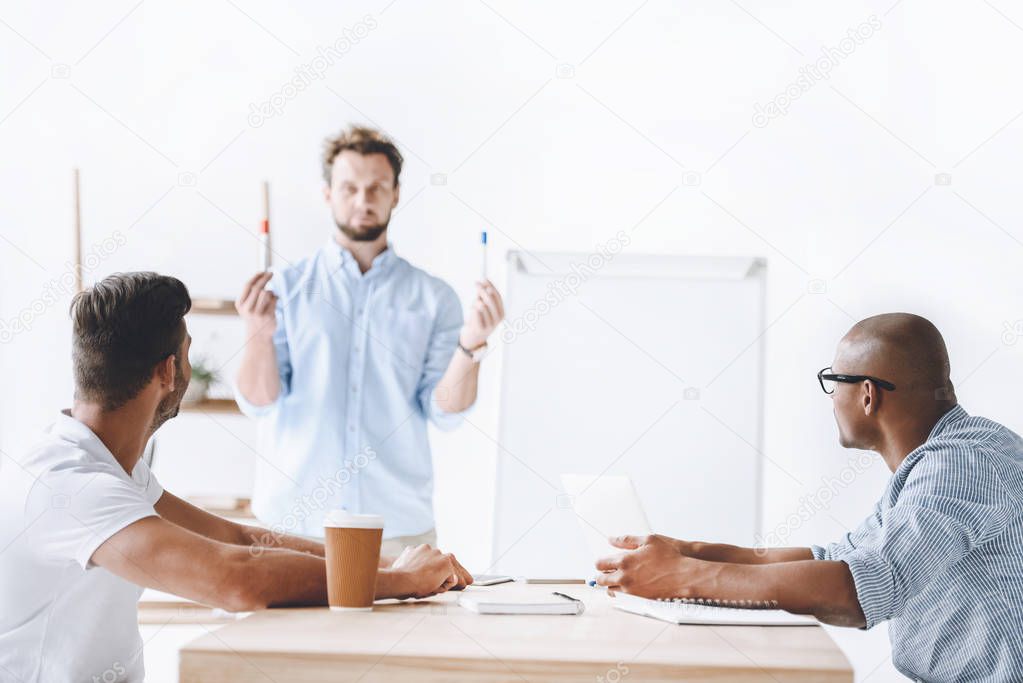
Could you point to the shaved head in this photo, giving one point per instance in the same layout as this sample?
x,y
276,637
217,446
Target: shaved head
x,y
906,350
903,348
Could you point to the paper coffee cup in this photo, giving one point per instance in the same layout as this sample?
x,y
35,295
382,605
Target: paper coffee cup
x,y
353,555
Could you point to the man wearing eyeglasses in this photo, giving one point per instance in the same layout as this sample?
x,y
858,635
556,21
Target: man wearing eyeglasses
x,y
941,555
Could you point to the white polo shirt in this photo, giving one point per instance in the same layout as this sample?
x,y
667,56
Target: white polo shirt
x,y
61,617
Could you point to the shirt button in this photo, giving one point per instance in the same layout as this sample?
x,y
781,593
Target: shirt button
x,y
351,428
355,389
358,312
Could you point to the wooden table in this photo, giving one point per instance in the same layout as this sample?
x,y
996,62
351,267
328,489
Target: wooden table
x,y
436,640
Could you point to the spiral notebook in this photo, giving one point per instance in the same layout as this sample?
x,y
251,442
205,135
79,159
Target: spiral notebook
x,y
678,612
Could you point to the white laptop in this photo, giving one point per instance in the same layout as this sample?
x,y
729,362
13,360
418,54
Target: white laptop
x,y
605,505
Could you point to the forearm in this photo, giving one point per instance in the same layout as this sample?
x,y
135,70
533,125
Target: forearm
x,y
824,589
286,578
214,527
720,552
260,537
278,577
394,583
456,390
258,378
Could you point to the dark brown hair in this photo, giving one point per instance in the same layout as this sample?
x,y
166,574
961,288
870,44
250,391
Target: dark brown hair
x,y
122,328
362,141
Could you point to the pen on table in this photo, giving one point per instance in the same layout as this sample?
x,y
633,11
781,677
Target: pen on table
x,y
264,231
567,597
483,249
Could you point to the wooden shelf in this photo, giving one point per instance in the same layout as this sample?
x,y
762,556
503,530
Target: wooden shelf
x,y
213,307
224,406
224,506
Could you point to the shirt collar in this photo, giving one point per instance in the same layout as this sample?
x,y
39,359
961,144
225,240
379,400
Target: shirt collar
x,y
77,432
340,257
954,415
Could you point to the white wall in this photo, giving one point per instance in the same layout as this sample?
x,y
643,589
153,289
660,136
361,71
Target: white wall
x,y
653,124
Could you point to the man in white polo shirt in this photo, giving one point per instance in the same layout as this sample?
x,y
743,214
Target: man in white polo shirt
x,y
84,524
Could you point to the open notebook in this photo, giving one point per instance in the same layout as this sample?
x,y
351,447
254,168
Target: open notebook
x,y
678,612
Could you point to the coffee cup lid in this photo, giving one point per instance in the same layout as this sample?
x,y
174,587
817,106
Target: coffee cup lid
x,y
348,520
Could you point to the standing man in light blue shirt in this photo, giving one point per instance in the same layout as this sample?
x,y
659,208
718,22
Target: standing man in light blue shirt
x,y
350,353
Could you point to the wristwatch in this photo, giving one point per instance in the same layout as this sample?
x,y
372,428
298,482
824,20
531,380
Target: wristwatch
x,y
475,354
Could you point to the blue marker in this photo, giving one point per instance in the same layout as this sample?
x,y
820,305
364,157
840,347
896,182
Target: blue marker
x,y
483,248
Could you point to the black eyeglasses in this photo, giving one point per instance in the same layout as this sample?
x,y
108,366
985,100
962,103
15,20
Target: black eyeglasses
x,y
829,380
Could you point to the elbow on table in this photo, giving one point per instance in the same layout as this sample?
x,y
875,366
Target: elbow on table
x,y
837,601
846,617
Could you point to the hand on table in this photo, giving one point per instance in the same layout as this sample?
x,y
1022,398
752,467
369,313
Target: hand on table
x,y
486,313
652,567
429,571
257,306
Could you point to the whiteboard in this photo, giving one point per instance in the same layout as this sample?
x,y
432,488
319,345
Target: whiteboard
x,y
649,366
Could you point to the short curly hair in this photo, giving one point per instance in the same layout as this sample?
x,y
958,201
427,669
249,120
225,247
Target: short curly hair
x,y
361,140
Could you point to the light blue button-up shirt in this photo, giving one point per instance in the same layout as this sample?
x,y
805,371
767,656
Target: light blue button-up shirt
x,y
359,355
941,557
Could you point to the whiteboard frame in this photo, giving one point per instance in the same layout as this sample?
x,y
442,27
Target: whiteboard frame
x,y
706,267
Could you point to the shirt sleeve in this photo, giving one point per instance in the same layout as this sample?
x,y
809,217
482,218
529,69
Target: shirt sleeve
x,y
952,502
73,511
442,346
852,540
280,341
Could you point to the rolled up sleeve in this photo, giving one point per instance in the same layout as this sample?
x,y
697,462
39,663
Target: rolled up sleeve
x,y
852,540
876,589
442,346
945,509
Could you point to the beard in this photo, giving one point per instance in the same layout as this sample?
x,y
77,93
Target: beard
x,y
171,403
364,233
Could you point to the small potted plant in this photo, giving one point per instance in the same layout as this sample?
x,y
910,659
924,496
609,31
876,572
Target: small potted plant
x,y
203,375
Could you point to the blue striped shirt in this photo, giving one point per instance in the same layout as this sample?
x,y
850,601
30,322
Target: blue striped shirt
x,y
941,557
